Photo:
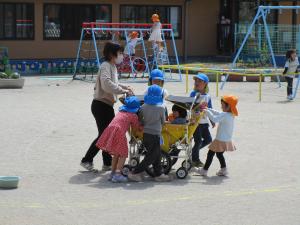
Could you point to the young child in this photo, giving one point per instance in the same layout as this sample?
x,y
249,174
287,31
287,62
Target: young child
x,y
134,39
201,135
178,115
152,116
155,36
116,130
291,66
223,140
157,77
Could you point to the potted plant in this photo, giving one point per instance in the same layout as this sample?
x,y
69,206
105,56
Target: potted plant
x,y
9,79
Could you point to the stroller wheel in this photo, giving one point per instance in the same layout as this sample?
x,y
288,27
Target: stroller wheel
x,y
126,169
165,164
181,173
187,164
134,162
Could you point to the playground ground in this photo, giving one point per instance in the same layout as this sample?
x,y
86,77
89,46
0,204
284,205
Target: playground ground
x,y
46,129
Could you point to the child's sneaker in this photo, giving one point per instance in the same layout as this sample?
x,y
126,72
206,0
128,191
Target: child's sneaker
x,y
110,176
87,165
106,168
222,172
202,172
163,178
135,177
119,178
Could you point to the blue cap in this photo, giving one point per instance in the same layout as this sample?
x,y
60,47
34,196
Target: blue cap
x,y
154,95
131,104
202,76
157,74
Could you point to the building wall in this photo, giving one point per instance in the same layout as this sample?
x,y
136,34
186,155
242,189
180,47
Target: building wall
x,y
285,17
201,30
202,27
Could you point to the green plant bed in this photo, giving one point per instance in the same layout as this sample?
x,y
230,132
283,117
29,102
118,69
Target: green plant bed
x,y
11,80
70,70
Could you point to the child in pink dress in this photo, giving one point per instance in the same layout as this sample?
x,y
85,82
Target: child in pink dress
x,y
113,140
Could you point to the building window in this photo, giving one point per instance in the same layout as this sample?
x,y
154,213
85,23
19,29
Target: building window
x,y
142,14
16,21
64,21
247,10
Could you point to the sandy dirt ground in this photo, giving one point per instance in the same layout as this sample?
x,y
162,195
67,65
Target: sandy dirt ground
x,y
46,129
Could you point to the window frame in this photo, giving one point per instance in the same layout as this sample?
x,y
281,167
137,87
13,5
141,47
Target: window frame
x,y
264,2
15,9
59,4
151,5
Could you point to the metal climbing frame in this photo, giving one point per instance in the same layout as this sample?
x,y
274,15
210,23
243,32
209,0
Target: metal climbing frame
x,y
262,12
152,58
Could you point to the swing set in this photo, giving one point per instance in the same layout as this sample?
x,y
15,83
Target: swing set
x,y
262,13
146,58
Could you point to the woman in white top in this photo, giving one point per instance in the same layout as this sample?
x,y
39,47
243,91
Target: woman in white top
x,y
291,66
223,140
106,90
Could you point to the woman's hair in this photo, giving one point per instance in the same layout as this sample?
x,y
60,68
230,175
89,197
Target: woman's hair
x,y
182,112
111,50
289,53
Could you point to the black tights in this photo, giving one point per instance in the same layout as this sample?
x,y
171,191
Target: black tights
x,y
210,156
289,81
103,114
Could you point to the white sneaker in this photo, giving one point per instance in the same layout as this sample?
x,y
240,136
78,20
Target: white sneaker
x,y
290,97
202,172
119,178
163,178
87,165
106,168
222,172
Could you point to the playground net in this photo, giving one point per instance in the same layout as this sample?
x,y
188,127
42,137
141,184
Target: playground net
x,y
256,51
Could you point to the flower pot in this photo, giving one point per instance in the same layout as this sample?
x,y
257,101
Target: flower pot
x,y
9,182
235,78
254,79
12,83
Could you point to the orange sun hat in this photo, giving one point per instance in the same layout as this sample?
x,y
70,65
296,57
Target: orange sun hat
x,y
232,101
134,34
155,18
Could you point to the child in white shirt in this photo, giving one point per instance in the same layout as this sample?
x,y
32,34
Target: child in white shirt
x,y
291,66
133,41
223,140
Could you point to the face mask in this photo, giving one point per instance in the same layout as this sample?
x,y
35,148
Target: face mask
x,y
119,59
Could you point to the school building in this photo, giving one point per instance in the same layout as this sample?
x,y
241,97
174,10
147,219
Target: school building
x,y
45,29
